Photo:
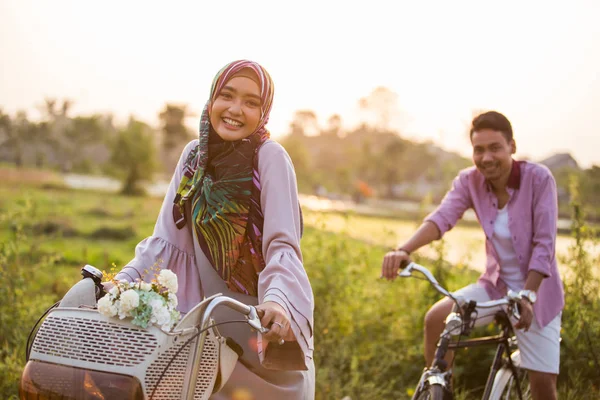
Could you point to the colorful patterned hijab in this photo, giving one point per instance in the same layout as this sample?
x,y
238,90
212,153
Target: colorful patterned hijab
x,y
221,180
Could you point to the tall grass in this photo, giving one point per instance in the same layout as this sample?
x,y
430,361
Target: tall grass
x,y
368,332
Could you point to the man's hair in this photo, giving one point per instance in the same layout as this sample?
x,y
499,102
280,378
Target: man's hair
x,y
492,120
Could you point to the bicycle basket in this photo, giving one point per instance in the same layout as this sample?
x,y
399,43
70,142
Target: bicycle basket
x,y
85,340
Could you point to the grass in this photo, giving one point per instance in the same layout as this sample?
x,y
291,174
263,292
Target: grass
x,y
368,332
465,243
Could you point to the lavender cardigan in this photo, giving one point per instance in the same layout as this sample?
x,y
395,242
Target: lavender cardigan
x,y
267,370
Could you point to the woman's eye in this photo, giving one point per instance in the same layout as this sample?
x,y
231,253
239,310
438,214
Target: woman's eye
x,y
253,103
226,96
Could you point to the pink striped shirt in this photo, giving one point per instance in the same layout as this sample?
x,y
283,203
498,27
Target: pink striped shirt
x,y
532,217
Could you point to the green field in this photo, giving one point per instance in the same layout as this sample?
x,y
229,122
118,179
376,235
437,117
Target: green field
x,y
367,331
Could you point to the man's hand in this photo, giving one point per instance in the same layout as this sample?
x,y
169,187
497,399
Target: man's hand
x,y
392,262
526,315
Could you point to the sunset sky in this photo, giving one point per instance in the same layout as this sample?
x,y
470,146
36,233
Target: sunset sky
x,y
536,61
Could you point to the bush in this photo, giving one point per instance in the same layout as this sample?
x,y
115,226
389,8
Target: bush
x,y
113,233
580,349
21,300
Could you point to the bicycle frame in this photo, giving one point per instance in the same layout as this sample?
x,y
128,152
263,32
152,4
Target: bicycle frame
x,y
437,373
501,357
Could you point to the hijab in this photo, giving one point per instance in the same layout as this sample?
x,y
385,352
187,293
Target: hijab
x,y
221,183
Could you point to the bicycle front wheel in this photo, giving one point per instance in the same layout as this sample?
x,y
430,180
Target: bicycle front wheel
x,y
507,385
431,392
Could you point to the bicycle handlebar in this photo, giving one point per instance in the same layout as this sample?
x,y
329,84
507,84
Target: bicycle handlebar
x,y
510,299
249,311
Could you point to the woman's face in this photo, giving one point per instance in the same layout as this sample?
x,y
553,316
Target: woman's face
x,y
236,110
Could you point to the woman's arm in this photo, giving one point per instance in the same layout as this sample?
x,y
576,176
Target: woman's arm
x,y
284,280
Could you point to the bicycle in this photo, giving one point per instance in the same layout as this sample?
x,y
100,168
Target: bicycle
x,y
506,380
78,353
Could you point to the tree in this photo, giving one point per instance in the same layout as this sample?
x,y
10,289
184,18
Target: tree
x,y
380,108
5,128
133,157
175,133
301,159
390,166
304,123
334,126
24,133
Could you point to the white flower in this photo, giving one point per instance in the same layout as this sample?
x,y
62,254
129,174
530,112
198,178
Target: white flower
x,y
106,306
169,280
160,313
172,300
128,301
163,316
125,297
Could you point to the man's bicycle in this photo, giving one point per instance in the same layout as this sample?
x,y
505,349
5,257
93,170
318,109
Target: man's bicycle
x,y
506,380
78,353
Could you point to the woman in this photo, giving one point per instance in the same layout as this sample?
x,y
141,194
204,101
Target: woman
x,y
230,223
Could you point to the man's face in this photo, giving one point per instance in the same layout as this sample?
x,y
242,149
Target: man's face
x,y
492,153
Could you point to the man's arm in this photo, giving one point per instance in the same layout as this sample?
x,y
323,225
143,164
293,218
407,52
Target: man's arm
x,y
427,233
453,206
545,216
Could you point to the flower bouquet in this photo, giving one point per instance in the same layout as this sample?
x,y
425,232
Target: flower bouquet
x,y
147,303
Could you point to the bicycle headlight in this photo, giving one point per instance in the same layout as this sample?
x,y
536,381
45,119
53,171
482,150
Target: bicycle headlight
x,y
41,380
453,324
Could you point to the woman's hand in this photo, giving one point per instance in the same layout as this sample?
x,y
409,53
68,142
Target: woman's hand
x,y
276,319
108,285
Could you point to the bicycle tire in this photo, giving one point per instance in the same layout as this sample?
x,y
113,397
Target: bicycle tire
x,y
504,387
431,392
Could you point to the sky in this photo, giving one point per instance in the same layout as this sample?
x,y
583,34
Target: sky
x,y
535,61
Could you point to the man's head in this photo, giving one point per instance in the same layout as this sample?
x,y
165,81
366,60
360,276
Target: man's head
x,y
493,145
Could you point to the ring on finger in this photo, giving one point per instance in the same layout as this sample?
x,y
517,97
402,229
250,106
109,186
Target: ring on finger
x,y
278,323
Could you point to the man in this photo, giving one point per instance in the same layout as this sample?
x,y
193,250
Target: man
x,y
516,205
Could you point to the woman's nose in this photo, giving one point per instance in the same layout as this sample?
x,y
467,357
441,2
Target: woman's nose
x,y
235,108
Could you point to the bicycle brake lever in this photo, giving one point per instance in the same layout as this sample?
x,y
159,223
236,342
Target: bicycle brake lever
x,y
406,272
254,321
516,313
515,307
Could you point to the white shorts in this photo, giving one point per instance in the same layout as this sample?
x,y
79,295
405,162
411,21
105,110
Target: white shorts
x,y
539,348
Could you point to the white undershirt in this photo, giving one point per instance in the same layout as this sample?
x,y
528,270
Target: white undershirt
x,y
510,270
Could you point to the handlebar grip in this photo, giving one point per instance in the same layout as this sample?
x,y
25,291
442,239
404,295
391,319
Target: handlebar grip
x,y
261,313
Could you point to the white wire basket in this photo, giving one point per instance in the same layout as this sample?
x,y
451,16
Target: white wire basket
x,y
80,353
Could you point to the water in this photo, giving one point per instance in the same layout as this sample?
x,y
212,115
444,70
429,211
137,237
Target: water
x,y
466,244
